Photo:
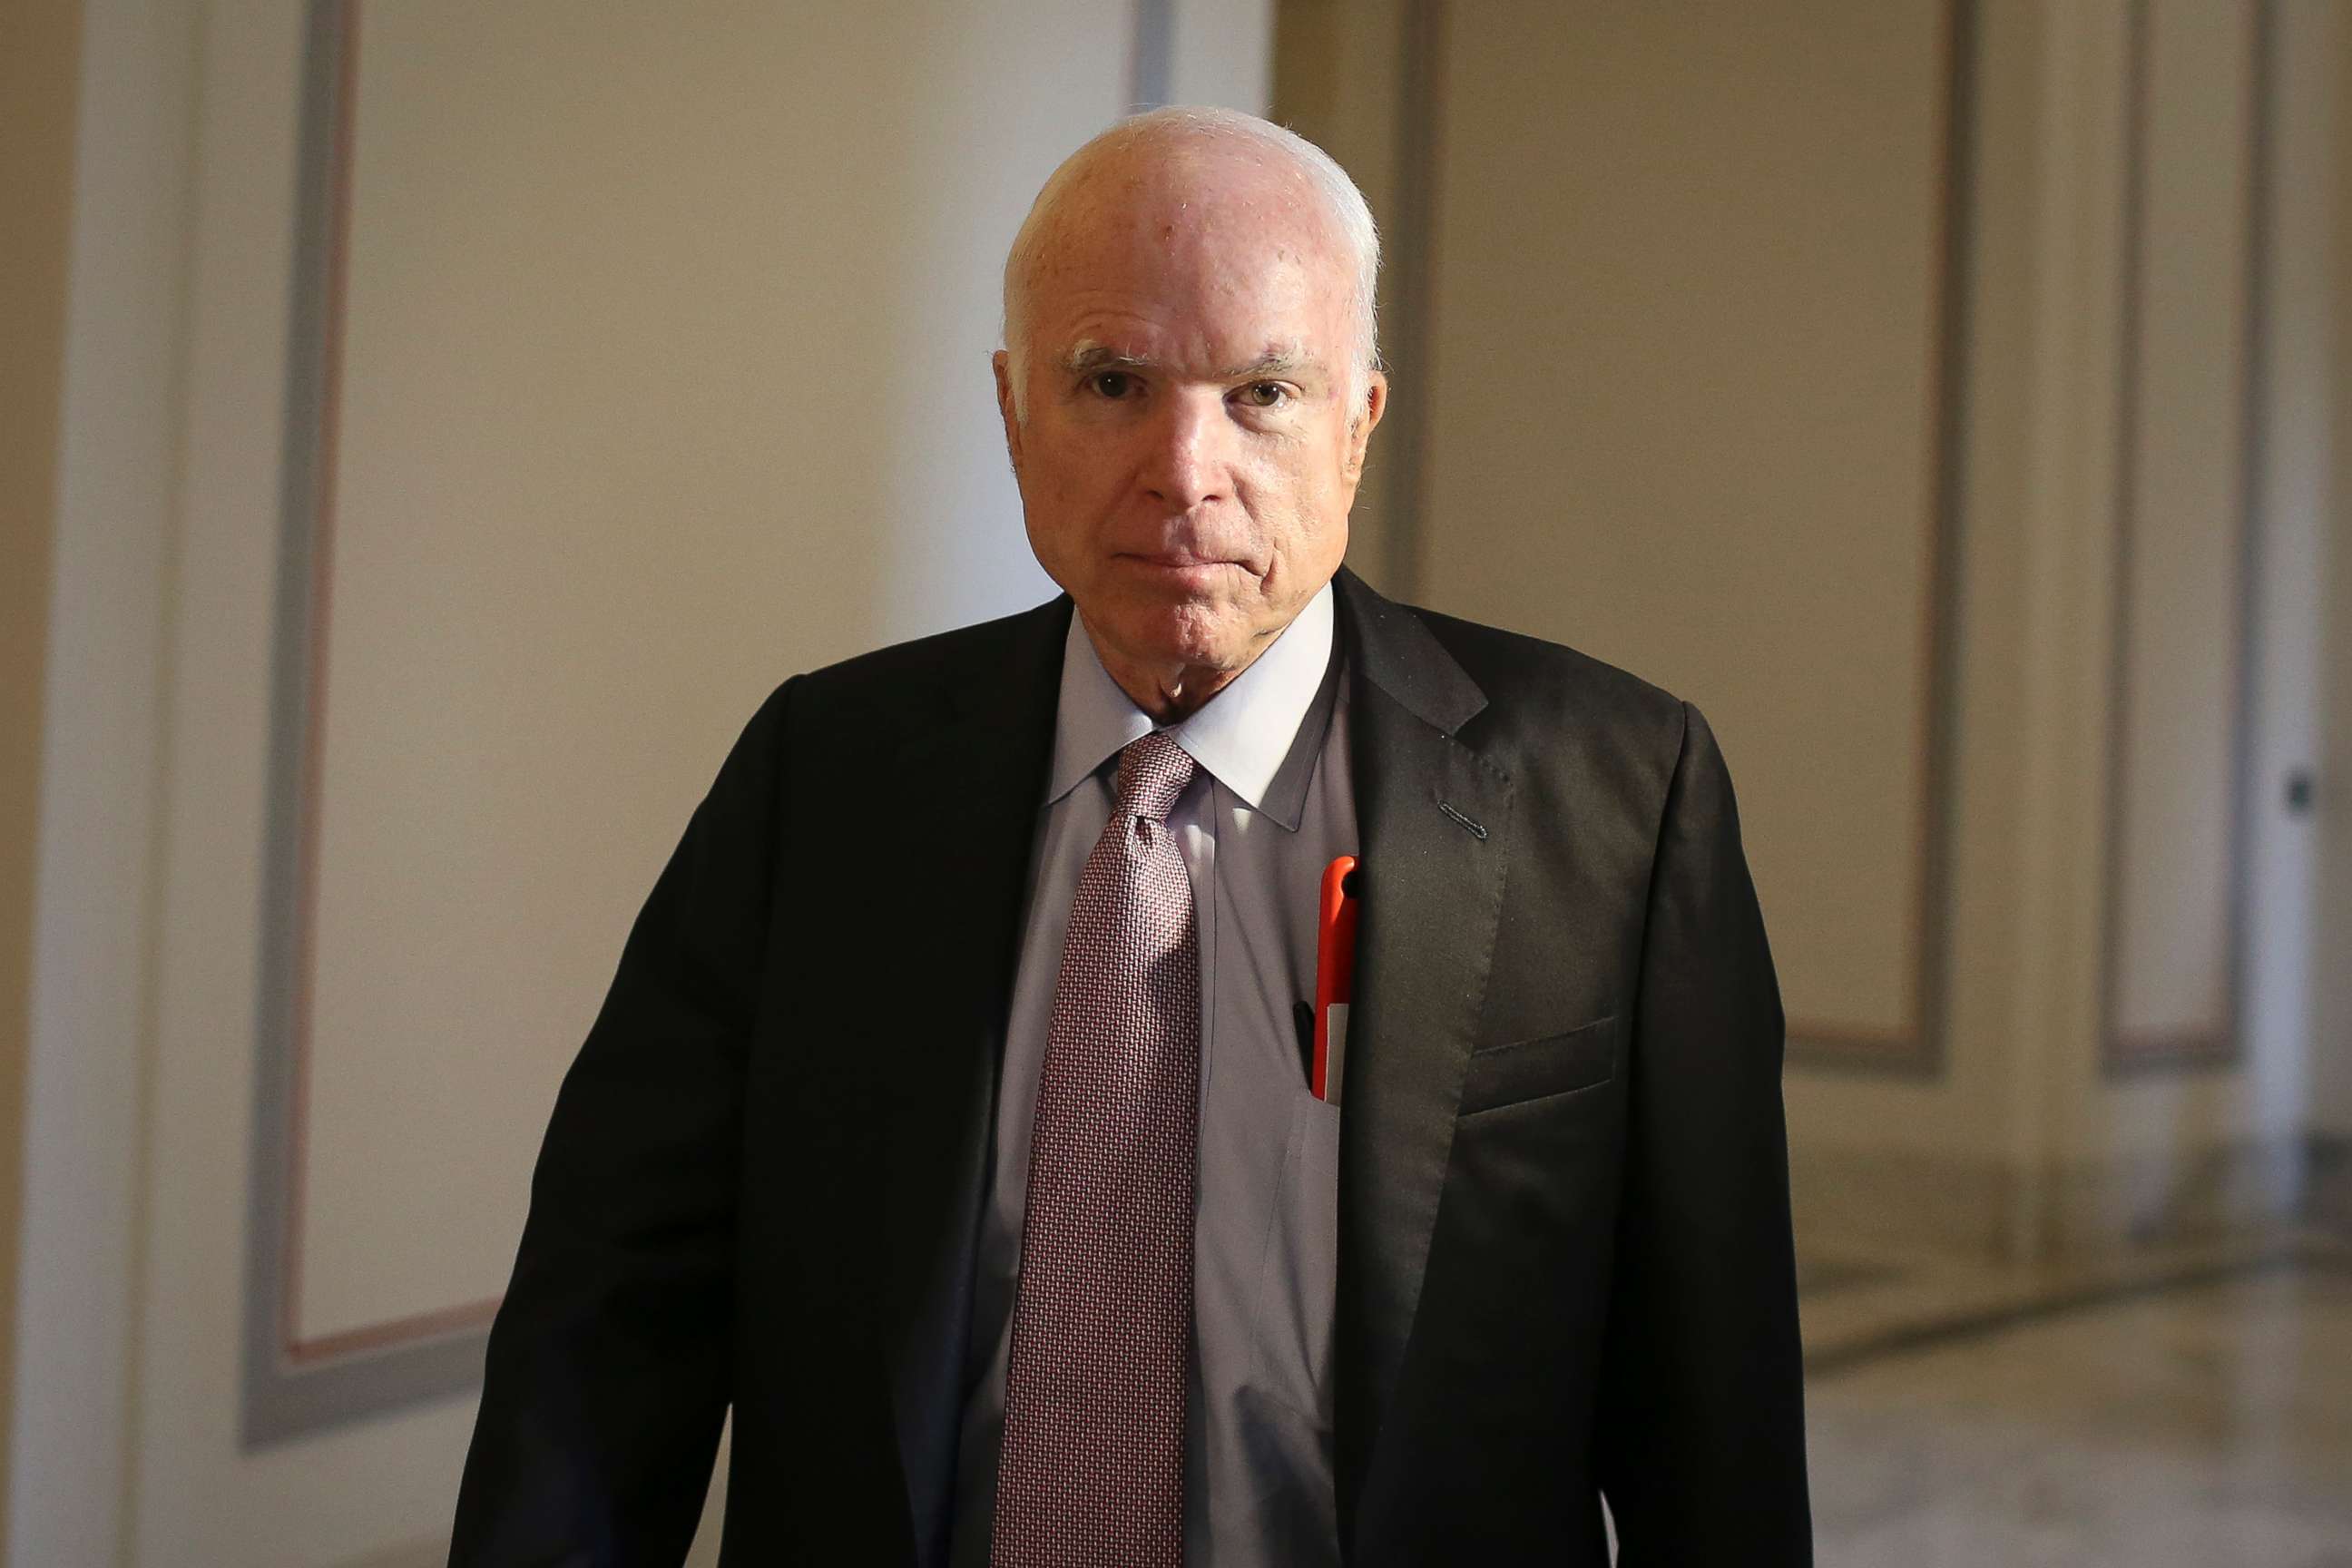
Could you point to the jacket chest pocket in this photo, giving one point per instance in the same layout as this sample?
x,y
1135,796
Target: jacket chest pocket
x,y
1519,1071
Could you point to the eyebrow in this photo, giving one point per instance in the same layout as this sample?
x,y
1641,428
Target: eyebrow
x,y
1093,359
1089,358
1273,361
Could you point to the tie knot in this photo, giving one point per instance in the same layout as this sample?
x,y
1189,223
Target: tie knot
x,y
1152,772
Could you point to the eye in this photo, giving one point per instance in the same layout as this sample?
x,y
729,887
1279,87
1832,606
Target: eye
x,y
1265,394
1111,383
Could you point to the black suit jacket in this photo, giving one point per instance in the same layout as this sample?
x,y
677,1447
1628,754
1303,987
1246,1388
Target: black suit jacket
x,y
1565,1265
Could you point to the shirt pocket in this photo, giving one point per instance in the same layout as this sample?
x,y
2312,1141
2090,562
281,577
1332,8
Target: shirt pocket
x,y
1519,1071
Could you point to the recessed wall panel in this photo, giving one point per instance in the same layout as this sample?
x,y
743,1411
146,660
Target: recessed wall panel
x,y
1689,300
2182,541
641,361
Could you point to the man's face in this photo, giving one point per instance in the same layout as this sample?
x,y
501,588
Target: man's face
x,y
1190,453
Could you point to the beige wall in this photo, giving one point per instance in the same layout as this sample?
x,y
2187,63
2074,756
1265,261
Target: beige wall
x,y
1682,416
1683,357
40,52
1680,410
645,407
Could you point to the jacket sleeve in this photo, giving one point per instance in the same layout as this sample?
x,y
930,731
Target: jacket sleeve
x,y
608,1375
1700,1442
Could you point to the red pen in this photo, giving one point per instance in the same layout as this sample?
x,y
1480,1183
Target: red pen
x,y
1335,978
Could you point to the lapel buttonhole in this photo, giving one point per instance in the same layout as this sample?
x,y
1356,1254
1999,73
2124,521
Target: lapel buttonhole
x,y
1474,830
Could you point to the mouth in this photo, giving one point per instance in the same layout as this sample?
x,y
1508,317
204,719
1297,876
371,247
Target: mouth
x,y
1180,571
1175,561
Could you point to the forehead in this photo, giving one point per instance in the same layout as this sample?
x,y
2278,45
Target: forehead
x,y
1213,251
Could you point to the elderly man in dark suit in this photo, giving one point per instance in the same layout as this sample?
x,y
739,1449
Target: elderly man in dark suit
x,y
949,1116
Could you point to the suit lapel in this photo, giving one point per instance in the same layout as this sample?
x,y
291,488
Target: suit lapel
x,y
971,785
1433,820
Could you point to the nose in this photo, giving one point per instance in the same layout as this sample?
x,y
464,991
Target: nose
x,y
1186,464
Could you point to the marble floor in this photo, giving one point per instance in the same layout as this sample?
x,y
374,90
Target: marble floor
x,y
2191,1410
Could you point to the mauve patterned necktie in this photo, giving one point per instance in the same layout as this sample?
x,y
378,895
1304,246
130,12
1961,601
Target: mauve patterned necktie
x,y
1091,1471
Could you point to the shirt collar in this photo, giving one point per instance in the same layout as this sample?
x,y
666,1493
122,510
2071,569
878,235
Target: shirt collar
x,y
1255,737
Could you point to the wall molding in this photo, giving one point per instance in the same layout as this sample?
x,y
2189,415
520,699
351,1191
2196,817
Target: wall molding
x,y
1823,1045
1150,63
1411,264
1919,1049
1959,1207
295,1384
2217,1044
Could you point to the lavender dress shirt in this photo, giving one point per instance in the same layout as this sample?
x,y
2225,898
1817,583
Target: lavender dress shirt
x,y
1269,807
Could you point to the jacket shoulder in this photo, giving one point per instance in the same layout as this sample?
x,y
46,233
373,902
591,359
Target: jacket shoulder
x,y
1578,734
1552,680
910,684
962,655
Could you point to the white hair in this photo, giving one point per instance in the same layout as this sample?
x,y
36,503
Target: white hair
x,y
1341,200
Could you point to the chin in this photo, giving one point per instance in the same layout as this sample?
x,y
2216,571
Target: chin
x,y
1190,633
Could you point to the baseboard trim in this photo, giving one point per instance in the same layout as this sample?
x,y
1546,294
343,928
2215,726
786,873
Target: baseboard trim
x,y
1964,1207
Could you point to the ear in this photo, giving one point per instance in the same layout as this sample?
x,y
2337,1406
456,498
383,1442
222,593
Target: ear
x,y
1359,429
1002,362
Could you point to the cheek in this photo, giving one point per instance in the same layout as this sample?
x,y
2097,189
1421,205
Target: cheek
x,y
1078,480
1052,487
1304,507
